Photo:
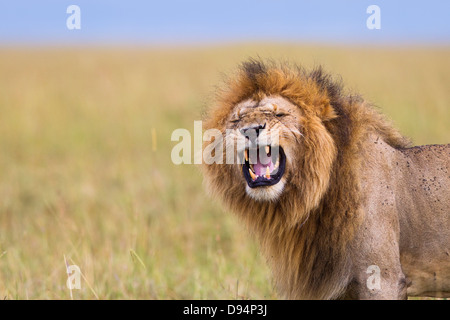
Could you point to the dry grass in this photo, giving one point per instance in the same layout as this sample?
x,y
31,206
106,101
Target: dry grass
x,y
80,177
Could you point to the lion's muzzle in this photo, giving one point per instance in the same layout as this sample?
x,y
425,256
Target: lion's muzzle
x,y
263,165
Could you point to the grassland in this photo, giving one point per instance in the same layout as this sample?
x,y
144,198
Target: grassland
x,y
83,179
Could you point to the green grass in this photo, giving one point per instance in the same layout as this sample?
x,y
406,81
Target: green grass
x,y
80,177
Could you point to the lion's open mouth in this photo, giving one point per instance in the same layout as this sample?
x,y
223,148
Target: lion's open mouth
x,y
263,167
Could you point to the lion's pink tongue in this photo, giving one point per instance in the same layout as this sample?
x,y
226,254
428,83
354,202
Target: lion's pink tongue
x,y
261,169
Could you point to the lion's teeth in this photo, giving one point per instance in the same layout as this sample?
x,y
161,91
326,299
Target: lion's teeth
x,y
277,163
267,173
252,174
267,149
246,155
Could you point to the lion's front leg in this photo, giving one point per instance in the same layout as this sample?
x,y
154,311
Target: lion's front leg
x,y
377,271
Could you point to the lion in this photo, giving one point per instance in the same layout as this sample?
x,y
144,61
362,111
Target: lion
x,y
347,209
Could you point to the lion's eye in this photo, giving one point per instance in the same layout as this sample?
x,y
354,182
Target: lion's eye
x,y
280,115
234,120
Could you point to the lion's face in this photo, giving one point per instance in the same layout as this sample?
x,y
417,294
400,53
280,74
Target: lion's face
x,y
267,135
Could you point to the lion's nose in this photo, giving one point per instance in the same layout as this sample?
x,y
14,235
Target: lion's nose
x,y
252,132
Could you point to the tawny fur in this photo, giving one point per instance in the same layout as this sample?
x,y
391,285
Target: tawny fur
x,y
311,234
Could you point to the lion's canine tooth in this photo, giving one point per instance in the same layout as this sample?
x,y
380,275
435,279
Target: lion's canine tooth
x,y
267,173
252,174
267,149
246,155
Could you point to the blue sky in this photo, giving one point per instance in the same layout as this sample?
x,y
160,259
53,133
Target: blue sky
x,y
194,21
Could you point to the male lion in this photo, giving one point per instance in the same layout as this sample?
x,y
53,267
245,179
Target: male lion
x,y
346,209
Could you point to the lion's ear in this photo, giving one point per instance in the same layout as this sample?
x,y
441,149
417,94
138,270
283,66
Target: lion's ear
x,y
327,113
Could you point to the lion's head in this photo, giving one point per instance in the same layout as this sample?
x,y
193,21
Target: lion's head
x,y
276,120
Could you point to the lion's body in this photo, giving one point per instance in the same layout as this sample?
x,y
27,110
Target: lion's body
x,y
354,197
406,229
